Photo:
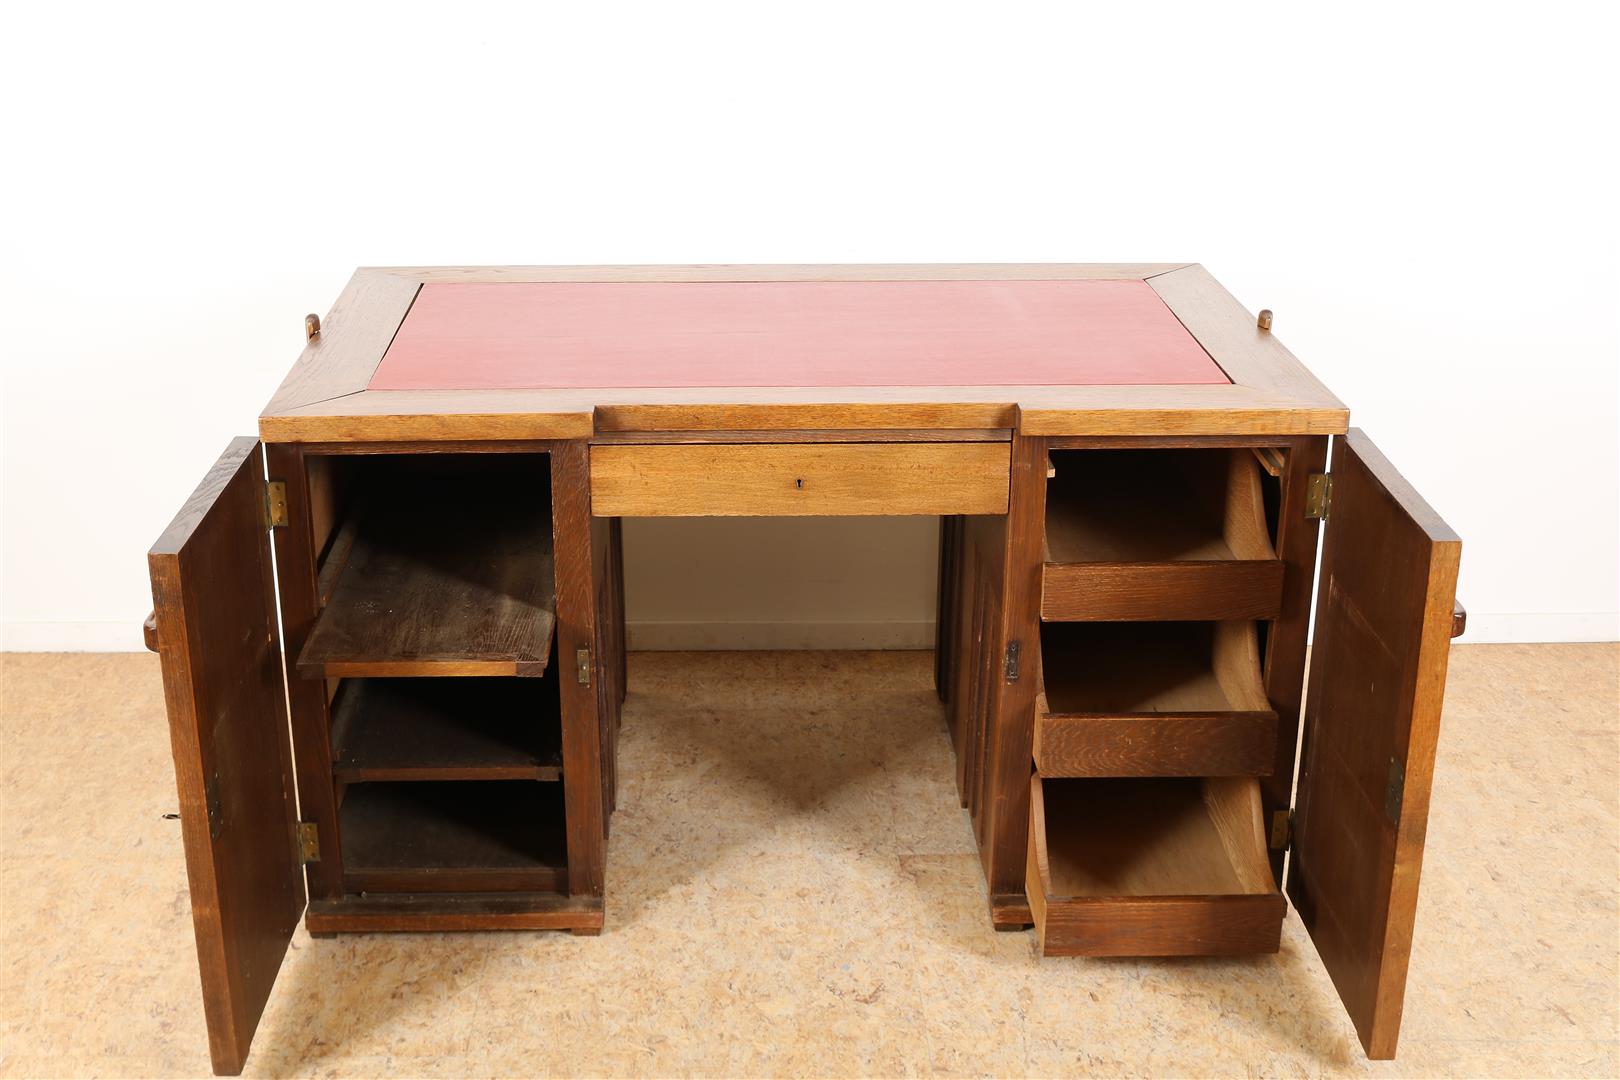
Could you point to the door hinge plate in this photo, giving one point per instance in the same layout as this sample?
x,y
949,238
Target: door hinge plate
x,y
1013,649
582,663
1395,791
275,503
1282,829
1318,495
309,842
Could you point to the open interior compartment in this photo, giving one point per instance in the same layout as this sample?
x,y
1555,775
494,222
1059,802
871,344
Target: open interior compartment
x,y
1159,534
1151,867
433,564
494,728
455,836
1152,699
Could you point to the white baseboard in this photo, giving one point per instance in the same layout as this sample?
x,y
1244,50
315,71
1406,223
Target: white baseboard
x,y
124,635
1537,626
120,636
673,636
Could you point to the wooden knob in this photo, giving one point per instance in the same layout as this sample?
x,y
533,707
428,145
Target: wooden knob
x,y
312,327
1459,619
149,632
1265,319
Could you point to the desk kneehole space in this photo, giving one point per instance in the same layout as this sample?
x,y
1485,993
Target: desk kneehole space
x,y
803,479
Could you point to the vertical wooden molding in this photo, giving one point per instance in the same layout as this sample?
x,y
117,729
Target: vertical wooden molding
x,y
306,698
1012,716
576,629
1297,538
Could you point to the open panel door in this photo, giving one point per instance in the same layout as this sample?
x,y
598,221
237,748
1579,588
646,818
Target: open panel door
x,y
1372,714
215,626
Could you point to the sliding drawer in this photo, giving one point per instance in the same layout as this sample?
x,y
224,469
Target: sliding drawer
x,y
1150,868
1158,534
771,480
1152,699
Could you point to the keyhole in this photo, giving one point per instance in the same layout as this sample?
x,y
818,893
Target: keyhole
x,y
798,484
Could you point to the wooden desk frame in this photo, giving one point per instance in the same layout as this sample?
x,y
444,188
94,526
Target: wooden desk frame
x,y
979,457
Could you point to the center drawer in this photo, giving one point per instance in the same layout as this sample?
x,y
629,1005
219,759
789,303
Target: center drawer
x,y
799,479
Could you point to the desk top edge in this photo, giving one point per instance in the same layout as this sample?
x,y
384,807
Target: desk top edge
x,y
325,397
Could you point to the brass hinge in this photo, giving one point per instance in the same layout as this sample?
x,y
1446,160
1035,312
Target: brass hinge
x,y
1012,661
309,842
275,503
1282,829
1318,495
582,663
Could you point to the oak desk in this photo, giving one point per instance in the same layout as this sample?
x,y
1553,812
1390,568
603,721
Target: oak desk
x,y
1130,473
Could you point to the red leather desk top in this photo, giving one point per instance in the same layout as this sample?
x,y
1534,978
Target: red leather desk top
x,y
551,335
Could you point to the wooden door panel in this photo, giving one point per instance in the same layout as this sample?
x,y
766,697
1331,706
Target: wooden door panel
x,y
1372,716
222,679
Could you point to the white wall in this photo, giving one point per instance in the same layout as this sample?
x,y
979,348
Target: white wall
x,y
1424,194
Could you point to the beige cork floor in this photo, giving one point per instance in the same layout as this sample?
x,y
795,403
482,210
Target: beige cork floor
x,y
793,891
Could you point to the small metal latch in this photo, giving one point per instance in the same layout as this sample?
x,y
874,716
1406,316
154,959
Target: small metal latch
x,y
312,327
1282,829
1012,661
1395,791
216,813
1318,495
582,661
309,842
275,503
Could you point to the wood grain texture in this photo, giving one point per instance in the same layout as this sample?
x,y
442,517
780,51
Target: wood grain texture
x,y
440,729
1249,355
453,577
1147,668
1123,592
826,479
1160,744
1289,632
311,504
1011,718
353,338
323,400
1372,719
212,595
452,912
1149,868
578,593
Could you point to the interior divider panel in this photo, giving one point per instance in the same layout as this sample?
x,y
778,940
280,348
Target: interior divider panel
x,y
456,836
1152,699
439,729
1158,535
445,570
1150,868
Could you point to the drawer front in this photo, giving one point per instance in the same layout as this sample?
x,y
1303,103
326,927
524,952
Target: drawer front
x,y
777,480
1155,744
1168,591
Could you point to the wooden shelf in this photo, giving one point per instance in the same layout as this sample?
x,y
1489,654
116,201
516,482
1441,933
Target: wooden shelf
x,y
434,729
1157,535
454,577
447,912
1152,699
1151,868
455,836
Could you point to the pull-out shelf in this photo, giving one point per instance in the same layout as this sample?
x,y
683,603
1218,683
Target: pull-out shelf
x,y
1150,868
457,581
1158,534
1152,699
